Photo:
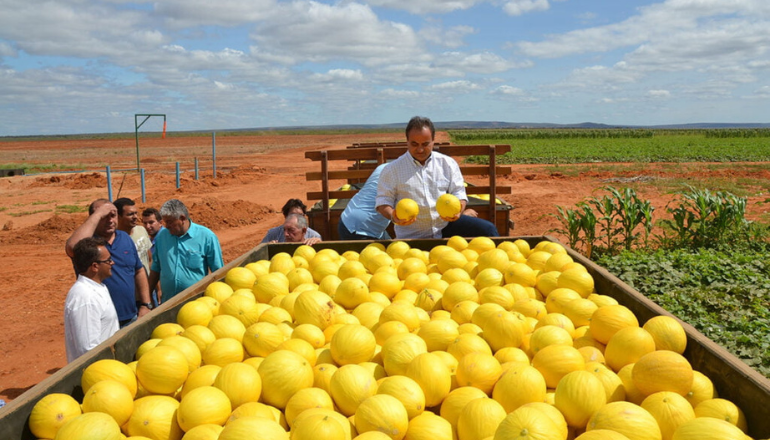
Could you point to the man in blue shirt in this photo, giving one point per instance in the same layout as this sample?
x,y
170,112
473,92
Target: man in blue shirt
x,y
128,283
185,252
359,220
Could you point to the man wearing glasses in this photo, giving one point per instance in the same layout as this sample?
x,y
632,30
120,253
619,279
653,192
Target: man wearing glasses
x,y
89,316
128,283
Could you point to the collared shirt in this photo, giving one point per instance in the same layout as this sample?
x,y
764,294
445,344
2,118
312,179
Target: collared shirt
x,y
360,216
406,177
89,317
122,283
152,240
183,261
143,245
276,234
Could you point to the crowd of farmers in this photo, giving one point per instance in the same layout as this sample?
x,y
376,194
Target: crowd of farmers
x,y
127,265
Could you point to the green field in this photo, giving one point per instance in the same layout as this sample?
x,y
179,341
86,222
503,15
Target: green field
x,y
591,146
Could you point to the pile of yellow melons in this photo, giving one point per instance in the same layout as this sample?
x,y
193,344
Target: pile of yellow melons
x,y
468,341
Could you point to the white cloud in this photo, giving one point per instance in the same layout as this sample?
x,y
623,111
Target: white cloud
x,y
423,6
399,94
339,74
461,86
179,14
508,90
659,94
452,38
521,7
315,32
762,92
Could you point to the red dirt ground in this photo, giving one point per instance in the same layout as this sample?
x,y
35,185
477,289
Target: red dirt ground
x,y
255,176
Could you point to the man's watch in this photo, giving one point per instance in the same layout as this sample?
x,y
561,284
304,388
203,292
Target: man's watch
x,y
148,305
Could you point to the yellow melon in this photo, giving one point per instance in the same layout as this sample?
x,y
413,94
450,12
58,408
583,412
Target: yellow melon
x,y
155,417
577,280
166,329
457,399
519,385
601,434
306,399
188,347
352,344
109,397
240,278
351,293
283,373
399,350
211,302
201,335
407,391
668,333
104,369
89,426
433,376
203,405
480,370
262,338
632,392
613,385
428,426
227,326
662,370
531,308
350,385
51,412
194,313
314,307
384,413
203,376
558,298
318,426
468,343
607,320
578,396
488,277
702,389
322,376
556,361
268,286
162,370
626,418
240,382
448,206
218,290
724,410
580,311
245,427
670,410
438,333
528,423
548,335
479,419
626,346
411,266
707,428
407,209
208,431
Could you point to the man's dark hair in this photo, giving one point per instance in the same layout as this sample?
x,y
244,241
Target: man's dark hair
x,y
291,204
121,202
86,251
151,211
92,206
419,123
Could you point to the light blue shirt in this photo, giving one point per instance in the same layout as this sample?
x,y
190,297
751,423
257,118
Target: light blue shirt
x,y
360,216
183,261
406,177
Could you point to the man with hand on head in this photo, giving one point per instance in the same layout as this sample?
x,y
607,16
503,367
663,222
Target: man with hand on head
x,y
424,175
89,316
185,252
128,283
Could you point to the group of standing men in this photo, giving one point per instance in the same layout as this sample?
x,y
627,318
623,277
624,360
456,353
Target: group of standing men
x,y
119,264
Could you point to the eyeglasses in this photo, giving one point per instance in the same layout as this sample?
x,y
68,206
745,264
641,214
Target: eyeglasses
x,y
107,261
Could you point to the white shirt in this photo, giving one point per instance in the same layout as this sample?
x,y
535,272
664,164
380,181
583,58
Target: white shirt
x,y
143,245
406,177
89,317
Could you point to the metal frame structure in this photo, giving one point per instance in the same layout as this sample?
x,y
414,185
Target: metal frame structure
x,y
136,130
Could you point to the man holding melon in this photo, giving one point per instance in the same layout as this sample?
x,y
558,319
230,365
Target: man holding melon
x,y
423,192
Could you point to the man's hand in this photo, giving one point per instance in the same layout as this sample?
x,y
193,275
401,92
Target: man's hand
x,y
394,218
311,241
450,219
105,210
143,311
470,212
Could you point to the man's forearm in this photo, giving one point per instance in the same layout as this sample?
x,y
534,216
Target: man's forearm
x,y
142,286
153,281
85,230
386,211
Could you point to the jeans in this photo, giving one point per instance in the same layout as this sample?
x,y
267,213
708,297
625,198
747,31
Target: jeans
x,y
467,226
126,322
345,234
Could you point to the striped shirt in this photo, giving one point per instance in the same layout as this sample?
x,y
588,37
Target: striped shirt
x,y
406,177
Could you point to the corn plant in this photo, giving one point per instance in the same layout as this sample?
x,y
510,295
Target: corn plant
x,y
570,225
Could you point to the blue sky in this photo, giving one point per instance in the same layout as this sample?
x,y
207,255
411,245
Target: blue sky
x,y
87,66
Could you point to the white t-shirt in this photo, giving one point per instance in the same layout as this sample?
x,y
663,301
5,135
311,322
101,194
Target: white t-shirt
x,y
89,317
143,245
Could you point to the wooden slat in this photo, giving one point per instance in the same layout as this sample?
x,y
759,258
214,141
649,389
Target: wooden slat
x,y
473,150
356,154
482,170
340,194
486,189
339,175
